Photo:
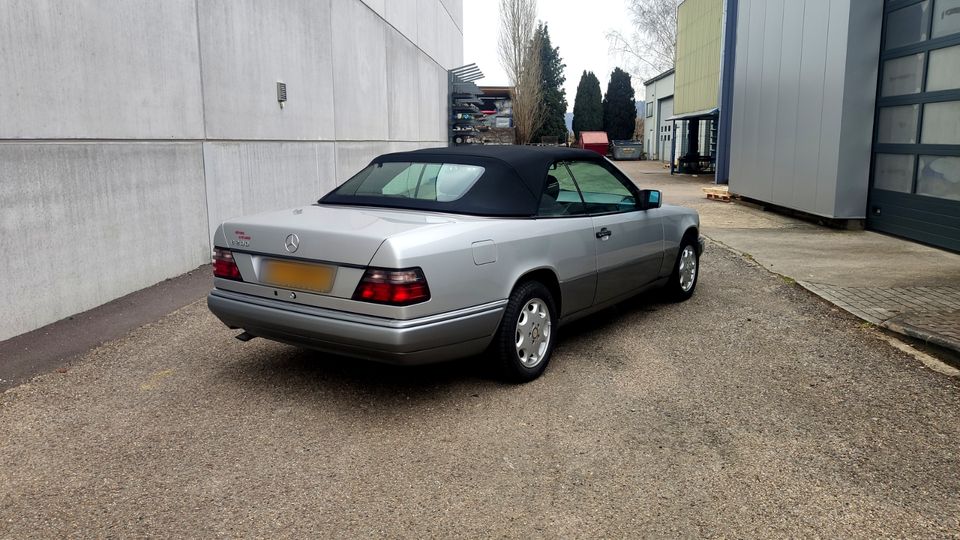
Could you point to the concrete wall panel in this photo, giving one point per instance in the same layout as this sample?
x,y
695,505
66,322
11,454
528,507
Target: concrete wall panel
x,y
454,9
402,14
403,88
114,69
430,79
360,64
428,30
250,177
86,223
352,157
250,45
378,6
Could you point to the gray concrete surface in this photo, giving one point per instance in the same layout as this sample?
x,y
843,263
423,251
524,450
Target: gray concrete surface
x,y
84,223
752,410
901,285
130,119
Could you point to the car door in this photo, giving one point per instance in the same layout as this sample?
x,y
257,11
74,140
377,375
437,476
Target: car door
x,y
570,240
629,239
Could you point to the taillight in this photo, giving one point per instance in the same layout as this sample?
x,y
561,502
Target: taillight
x,y
224,266
394,287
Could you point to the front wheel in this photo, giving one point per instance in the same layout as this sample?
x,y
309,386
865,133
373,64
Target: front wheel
x,y
685,272
524,341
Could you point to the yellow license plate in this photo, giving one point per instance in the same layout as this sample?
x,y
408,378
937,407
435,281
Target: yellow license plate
x,y
298,275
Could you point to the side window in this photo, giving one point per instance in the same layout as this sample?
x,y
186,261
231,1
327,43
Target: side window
x,y
602,191
560,195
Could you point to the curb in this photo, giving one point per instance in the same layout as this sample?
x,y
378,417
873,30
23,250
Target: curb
x,y
921,334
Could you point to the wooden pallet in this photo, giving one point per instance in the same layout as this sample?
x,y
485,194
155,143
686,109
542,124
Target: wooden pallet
x,y
717,193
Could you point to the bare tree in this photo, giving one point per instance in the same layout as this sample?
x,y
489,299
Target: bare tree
x,y
652,46
520,57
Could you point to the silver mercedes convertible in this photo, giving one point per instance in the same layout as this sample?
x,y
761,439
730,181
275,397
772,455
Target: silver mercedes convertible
x,y
450,252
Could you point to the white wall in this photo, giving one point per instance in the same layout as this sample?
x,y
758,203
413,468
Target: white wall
x,y
130,128
657,92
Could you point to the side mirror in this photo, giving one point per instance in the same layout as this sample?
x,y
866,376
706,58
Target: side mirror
x,y
649,198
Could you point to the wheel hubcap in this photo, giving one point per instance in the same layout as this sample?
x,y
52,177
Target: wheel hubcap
x,y
688,268
533,332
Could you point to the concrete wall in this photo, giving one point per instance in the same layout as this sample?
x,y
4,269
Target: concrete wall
x,y
803,98
130,128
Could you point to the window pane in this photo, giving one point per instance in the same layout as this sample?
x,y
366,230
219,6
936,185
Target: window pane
x,y
602,191
894,172
441,182
939,176
944,70
946,18
907,25
941,123
560,195
898,125
902,75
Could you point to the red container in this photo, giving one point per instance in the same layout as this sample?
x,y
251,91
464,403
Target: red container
x,y
594,140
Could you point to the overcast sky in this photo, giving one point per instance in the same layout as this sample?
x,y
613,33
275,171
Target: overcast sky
x,y
578,28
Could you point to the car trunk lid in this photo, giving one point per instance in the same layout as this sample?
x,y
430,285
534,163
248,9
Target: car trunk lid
x,y
342,235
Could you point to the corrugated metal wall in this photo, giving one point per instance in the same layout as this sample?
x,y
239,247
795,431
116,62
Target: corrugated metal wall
x,y
804,91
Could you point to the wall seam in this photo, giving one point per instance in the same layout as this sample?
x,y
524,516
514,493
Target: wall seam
x,y
796,138
333,85
823,86
203,120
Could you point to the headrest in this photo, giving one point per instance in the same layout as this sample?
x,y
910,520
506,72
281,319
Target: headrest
x,y
553,186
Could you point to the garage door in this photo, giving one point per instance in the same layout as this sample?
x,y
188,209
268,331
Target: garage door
x,y
666,128
915,180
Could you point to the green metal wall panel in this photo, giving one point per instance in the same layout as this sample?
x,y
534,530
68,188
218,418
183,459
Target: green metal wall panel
x,y
698,55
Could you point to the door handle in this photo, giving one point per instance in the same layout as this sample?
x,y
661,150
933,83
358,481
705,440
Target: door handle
x,y
604,233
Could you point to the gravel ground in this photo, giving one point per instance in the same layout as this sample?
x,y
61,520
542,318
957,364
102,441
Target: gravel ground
x,y
753,410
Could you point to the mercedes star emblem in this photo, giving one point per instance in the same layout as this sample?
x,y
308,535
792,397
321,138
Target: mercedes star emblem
x,y
292,242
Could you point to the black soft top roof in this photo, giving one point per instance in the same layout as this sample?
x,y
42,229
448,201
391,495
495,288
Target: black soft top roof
x,y
511,184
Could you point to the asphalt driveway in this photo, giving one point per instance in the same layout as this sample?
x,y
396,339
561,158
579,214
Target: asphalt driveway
x,y
753,410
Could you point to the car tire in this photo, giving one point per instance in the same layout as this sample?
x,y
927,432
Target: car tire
x,y
682,283
524,341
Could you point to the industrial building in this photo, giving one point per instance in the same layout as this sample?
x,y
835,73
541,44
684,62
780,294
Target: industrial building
x,y
847,110
130,128
850,110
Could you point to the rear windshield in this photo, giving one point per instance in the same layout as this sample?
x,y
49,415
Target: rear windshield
x,y
475,185
440,182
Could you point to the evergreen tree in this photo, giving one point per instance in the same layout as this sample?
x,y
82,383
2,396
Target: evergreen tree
x,y
553,95
587,106
619,107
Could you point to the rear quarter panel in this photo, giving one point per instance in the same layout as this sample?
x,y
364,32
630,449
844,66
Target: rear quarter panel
x,y
446,254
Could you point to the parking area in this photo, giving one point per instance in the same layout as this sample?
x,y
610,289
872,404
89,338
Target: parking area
x,y
755,409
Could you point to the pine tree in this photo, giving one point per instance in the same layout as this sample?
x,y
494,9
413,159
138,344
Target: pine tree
x,y
587,107
554,97
619,107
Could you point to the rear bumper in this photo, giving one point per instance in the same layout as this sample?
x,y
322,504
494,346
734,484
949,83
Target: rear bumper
x,y
428,339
